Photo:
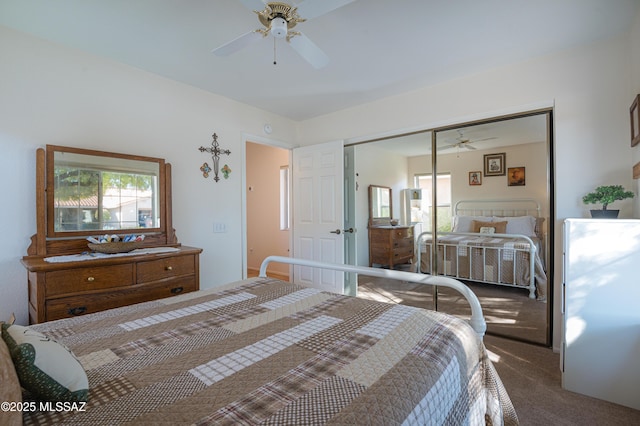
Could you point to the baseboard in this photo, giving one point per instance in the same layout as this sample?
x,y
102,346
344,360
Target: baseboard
x,y
254,272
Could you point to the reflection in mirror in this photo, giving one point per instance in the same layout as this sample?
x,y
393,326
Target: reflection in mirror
x,y
380,197
455,169
95,191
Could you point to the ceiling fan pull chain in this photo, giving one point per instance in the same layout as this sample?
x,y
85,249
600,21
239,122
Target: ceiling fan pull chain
x,y
274,51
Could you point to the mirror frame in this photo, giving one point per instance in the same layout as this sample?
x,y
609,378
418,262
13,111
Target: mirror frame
x,y
46,242
50,185
378,221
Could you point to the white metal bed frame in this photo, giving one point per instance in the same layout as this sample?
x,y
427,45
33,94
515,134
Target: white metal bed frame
x,y
490,207
476,321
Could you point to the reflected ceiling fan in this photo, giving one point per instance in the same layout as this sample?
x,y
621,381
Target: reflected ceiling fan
x,y
278,20
463,142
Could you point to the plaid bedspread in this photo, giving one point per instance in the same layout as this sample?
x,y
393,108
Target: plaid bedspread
x,y
269,352
486,259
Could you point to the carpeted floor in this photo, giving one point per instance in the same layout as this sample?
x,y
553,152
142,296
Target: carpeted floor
x,y
531,373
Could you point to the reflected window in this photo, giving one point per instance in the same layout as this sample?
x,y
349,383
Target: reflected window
x,y
88,198
443,205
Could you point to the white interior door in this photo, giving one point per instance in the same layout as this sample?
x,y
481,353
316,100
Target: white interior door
x,y
318,181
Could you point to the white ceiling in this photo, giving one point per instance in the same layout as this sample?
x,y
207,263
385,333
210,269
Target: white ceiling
x,y
376,48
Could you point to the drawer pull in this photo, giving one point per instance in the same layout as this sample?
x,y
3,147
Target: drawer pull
x,y
77,311
177,290
91,279
168,268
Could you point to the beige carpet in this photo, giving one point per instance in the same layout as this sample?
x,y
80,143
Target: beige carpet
x,y
531,375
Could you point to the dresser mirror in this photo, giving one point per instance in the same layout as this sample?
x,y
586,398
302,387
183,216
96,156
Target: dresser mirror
x,y
92,192
82,193
380,207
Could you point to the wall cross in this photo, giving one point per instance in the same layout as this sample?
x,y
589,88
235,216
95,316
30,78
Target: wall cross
x,y
215,152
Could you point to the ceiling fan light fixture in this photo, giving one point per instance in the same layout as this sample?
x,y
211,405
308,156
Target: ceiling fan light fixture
x,y
279,27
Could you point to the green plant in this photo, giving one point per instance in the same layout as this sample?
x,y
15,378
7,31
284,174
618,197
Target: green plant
x,y
606,195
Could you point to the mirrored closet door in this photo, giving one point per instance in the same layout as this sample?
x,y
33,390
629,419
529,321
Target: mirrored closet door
x,y
479,199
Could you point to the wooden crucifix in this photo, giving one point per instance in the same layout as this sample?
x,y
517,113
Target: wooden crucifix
x,y
215,152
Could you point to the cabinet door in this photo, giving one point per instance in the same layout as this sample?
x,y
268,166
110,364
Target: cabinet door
x,y
601,318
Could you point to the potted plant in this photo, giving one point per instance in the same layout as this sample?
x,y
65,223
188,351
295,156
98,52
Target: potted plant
x,y
606,195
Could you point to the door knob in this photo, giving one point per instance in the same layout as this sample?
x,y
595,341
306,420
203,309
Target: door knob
x,y
338,232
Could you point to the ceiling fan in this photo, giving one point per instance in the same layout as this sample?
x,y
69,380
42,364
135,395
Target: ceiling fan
x,y
278,20
463,142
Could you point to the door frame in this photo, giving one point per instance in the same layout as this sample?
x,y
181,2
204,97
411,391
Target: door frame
x,y
247,137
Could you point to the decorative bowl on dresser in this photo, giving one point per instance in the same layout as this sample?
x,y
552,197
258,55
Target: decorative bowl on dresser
x,y
64,277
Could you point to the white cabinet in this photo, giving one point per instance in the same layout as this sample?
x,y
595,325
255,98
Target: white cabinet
x,y
601,306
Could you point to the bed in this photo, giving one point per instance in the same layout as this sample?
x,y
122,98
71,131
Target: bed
x,y
264,351
498,242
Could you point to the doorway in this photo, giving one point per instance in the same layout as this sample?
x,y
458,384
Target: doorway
x,y
267,208
524,142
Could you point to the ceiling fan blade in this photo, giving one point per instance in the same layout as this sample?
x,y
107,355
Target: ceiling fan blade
x,y
441,148
484,139
310,9
253,4
309,51
237,44
469,147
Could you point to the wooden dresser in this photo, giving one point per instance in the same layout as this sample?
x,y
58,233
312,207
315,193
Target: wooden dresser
x,y
67,289
71,282
390,245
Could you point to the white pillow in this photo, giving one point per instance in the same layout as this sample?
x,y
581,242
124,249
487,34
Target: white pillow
x,y
463,223
522,225
46,368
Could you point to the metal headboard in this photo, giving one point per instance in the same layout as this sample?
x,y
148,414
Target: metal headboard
x,y
507,207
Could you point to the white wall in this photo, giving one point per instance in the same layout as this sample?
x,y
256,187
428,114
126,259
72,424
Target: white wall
x,y
375,166
589,87
55,95
532,156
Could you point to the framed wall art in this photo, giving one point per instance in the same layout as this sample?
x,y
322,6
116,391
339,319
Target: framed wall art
x,y
634,112
494,164
475,178
516,176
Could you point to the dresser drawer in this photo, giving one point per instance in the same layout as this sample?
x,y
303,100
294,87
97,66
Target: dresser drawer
x,y
402,233
71,306
86,279
405,243
402,254
169,267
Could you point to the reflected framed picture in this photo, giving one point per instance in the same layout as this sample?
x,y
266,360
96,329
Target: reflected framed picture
x,y
516,176
494,164
475,178
634,112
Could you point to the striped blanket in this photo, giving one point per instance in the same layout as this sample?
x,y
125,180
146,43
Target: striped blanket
x,y
485,258
263,351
